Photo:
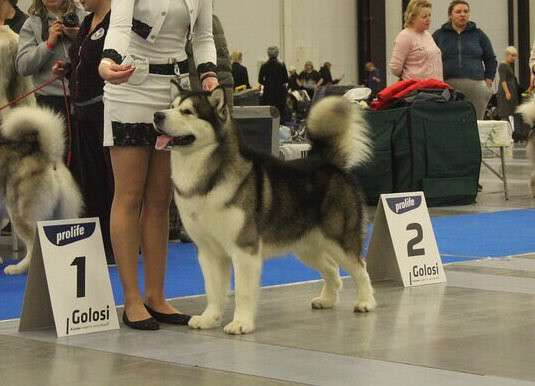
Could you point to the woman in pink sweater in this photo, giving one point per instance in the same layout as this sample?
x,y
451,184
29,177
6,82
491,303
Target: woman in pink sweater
x,y
415,54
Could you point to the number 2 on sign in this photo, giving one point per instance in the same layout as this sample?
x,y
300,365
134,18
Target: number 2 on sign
x,y
411,250
79,262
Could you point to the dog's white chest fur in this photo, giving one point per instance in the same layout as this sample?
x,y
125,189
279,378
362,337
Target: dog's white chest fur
x,y
208,215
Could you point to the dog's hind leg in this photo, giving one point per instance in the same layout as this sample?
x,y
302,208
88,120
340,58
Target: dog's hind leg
x,y
356,267
247,271
216,272
70,202
26,231
328,268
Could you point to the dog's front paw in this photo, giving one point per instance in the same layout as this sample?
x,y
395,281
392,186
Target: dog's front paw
x,y
237,327
365,305
15,269
204,322
321,303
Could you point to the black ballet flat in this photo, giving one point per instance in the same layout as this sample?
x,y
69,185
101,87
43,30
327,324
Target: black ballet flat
x,y
176,318
146,324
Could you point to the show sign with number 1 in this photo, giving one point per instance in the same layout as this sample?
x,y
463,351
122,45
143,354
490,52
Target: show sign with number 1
x,y
403,244
68,282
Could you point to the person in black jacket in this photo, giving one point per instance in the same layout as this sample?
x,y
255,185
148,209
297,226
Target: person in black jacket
x,y
326,76
11,15
239,71
310,78
91,160
467,56
274,77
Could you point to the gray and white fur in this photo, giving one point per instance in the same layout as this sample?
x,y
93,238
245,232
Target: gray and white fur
x,y
35,184
527,110
240,207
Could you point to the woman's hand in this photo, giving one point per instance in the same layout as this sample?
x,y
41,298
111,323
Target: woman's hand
x,y
488,82
71,32
58,69
508,96
208,84
54,33
113,72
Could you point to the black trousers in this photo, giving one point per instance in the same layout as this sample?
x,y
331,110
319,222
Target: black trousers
x,y
93,170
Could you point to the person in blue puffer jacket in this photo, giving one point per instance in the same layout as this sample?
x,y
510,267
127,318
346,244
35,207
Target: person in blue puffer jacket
x,y
467,55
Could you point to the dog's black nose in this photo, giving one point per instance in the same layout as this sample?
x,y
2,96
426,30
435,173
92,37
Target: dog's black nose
x,y
159,117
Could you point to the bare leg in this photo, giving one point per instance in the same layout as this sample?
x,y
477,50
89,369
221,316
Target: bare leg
x,y
155,230
130,166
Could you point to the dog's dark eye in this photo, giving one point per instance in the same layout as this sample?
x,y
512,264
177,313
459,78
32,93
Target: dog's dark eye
x,y
187,112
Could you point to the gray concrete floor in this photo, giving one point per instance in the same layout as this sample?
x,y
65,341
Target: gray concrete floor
x,y
478,329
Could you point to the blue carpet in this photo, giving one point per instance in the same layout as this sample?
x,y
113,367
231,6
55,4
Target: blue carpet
x,y
459,238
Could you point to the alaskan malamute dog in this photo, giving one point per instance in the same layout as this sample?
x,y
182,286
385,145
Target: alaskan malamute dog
x,y
527,110
240,208
35,184
12,84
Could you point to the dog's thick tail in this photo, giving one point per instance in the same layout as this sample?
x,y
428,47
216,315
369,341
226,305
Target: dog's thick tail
x,y
339,132
527,110
36,124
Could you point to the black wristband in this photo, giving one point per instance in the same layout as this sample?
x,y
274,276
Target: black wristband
x,y
113,55
206,67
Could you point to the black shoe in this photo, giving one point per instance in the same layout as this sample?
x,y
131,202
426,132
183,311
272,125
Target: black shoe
x,y
146,324
176,318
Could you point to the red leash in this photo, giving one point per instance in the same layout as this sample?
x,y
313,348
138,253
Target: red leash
x,y
67,108
19,98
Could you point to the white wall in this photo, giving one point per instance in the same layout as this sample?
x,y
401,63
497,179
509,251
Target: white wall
x,y
303,29
490,16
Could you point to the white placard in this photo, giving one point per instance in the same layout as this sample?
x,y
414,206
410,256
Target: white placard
x,y
68,281
403,244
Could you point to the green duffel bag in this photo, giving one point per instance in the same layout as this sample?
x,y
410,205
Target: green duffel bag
x,y
379,175
446,152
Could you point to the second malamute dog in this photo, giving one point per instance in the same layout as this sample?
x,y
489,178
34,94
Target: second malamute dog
x,y
527,110
241,208
35,184
12,84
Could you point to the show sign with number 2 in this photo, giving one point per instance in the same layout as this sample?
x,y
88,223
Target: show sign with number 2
x,y
403,244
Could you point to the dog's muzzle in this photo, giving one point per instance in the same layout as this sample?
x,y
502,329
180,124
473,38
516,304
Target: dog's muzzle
x,y
164,141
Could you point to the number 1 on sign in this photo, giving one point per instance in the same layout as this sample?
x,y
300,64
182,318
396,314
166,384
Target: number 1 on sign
x,y
79,262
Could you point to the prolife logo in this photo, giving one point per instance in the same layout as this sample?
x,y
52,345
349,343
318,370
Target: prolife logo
x,y
67,234
400,205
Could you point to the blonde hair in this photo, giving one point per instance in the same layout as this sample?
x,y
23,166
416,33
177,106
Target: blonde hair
x,y
511,50
236,57
413,10
38,8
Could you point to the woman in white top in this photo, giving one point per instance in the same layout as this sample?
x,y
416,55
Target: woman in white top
x,y
144,50
415,54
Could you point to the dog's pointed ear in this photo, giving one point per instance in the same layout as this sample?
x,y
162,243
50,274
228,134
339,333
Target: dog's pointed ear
x,y
218,102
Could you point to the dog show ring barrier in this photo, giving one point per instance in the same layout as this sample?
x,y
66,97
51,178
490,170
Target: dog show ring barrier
x,y
496,135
